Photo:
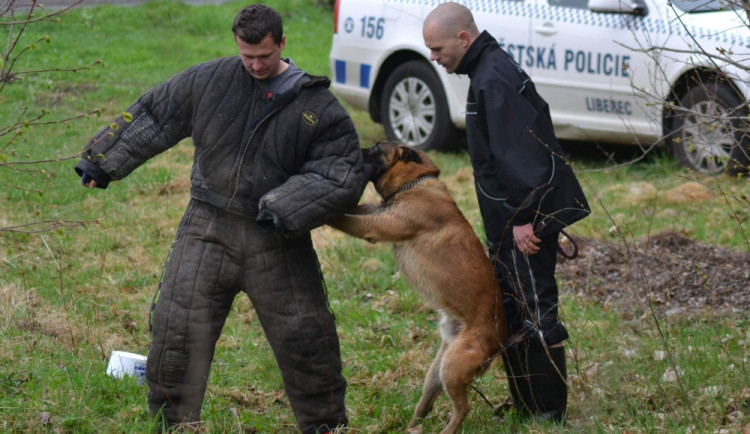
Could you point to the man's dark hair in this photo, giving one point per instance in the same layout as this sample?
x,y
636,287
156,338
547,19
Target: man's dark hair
x,y
255,22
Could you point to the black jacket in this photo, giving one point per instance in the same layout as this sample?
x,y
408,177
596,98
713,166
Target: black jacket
x,y
292,161
520,169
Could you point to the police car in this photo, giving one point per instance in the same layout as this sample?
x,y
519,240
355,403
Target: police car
x,y
616,71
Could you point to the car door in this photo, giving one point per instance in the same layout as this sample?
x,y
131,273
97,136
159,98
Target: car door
x,y
588,68
509,21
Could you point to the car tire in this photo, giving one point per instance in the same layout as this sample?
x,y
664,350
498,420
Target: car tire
x,y
414,109
707,133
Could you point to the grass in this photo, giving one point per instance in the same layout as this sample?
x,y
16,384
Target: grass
x,y
72,294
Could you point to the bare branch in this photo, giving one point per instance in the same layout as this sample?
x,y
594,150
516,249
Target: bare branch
x,y
17,126
46,226
30,15
17,23
722,58
51,160
39,71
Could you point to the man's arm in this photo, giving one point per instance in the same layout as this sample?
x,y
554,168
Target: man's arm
x,y
157,121
330,182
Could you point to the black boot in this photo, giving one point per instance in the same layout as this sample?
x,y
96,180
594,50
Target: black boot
x,y
538,381
514,362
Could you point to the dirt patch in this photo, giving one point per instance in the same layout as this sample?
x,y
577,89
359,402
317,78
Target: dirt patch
x,y
676,274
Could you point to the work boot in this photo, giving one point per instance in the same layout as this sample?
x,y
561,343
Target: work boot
x,y
537,388
514,371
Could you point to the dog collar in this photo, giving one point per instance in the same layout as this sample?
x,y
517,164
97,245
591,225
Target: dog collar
x,y
411,184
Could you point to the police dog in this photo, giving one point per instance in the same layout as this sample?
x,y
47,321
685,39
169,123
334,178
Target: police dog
x,y
441,257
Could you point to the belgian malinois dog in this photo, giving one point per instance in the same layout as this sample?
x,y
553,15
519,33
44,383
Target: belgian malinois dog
x,y
441,257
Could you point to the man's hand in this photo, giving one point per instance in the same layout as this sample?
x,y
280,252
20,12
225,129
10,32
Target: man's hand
x,y
88,181
526,241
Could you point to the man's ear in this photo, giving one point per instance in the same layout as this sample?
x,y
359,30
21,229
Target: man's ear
x,y
407,154
464,39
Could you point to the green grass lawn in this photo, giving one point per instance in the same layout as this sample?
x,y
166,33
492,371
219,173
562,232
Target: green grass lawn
x,y
71,294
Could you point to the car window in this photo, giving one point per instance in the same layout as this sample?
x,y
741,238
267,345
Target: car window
x,y
704,5
579,4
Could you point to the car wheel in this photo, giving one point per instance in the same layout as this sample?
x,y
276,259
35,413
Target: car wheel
x,y
414,109
707,129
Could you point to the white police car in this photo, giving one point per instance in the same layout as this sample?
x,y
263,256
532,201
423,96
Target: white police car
x,y
617,71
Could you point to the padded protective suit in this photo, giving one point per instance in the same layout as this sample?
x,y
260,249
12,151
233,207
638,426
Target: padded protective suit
x,y
268,168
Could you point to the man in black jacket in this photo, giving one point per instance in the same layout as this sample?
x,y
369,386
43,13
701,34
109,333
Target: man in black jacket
x,y
527,194
276,155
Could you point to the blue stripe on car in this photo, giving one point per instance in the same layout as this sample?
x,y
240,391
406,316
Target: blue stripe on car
x,y
364,75
340,71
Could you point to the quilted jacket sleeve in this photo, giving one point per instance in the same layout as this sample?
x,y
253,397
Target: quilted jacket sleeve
x,y
329,183
157,121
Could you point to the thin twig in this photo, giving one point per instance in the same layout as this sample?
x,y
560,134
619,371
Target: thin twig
x,y
47,225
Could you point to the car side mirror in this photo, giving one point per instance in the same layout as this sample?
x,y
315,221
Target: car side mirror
x,y
618,6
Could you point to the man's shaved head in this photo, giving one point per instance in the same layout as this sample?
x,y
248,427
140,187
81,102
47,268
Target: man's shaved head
x,y
452,18
448,31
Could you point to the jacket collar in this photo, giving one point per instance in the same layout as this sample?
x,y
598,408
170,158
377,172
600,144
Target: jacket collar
x,y
472,55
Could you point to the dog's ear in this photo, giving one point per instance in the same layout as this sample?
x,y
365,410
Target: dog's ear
x,y
408,154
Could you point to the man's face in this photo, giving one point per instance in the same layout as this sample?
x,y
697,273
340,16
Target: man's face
x,y
262,60
445,49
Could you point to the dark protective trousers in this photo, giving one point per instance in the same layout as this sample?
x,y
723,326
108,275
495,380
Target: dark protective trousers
x,y
537,375
214,256
530,294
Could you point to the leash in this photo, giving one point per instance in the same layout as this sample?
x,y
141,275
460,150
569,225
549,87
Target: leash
x,y
562,251
512,340
476,389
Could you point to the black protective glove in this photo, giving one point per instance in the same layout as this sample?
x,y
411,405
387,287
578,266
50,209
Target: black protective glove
x,y
269,221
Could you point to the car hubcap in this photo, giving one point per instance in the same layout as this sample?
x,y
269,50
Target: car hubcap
x,y
411,111
707,137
